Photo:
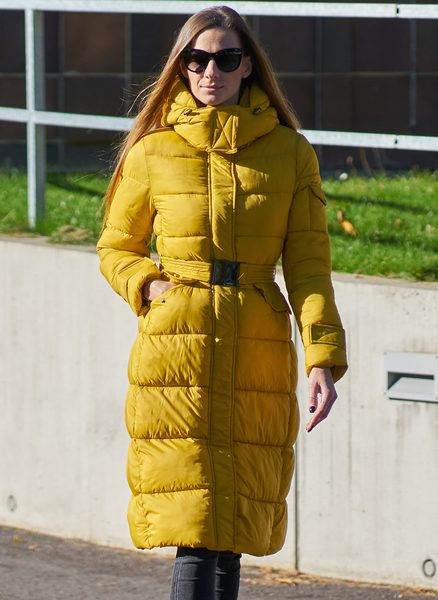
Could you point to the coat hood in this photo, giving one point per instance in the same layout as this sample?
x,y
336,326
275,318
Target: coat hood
x,y
219,128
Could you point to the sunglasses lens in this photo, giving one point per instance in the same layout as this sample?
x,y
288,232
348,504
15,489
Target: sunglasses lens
x,y
228,60
197,60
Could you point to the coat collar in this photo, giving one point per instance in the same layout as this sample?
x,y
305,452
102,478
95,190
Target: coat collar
x,y
219,128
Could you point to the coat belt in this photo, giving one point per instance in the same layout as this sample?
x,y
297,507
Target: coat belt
x,y
217,272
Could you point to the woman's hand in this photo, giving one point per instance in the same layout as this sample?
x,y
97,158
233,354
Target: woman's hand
x,y
322,395
153,288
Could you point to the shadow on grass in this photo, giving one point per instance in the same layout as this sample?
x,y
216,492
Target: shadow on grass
x,y
428,273
376,202
82,184
388,240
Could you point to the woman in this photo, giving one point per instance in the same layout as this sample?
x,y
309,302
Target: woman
x,y
215,168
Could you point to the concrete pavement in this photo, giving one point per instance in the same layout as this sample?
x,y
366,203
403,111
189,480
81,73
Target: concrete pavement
x,y
41,567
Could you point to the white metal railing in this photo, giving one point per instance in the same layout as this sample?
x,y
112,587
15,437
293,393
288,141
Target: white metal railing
x,y
327,138
280,9
37,118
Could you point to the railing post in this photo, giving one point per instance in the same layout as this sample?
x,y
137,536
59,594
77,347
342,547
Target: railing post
x,y
35,100
412,75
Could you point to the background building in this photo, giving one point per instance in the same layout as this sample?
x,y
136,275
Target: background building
x,y
367,75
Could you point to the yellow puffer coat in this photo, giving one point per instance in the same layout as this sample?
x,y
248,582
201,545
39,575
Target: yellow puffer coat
x,y
211,408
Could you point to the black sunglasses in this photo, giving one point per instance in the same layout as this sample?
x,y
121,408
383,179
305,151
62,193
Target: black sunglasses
x,y
227,60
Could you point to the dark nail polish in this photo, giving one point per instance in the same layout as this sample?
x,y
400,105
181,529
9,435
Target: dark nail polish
x,y
312,409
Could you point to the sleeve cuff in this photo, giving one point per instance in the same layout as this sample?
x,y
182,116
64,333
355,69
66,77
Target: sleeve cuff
x,y
135,288
324,346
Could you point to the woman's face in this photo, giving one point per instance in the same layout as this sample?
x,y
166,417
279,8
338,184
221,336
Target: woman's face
x,y
213,86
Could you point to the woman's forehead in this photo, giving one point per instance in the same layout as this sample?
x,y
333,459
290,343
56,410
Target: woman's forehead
x,y
216,39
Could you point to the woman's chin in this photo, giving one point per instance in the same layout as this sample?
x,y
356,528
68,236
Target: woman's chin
x,y
216,98
211,98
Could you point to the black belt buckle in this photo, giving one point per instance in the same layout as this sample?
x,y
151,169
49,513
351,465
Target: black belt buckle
x,y
225,272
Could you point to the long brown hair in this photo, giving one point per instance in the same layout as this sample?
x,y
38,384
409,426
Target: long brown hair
x,y
155,95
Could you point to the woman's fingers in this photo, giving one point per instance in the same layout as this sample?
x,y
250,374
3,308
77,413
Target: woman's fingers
x,y
321,413
314,391
152,289
322,395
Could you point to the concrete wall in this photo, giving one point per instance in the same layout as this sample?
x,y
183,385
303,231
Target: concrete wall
x,y
365,501
368,479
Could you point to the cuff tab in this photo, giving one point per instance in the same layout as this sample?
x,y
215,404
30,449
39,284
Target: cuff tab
x,y
318,333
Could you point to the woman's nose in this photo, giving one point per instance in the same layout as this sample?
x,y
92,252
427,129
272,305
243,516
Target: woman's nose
x,y
211,70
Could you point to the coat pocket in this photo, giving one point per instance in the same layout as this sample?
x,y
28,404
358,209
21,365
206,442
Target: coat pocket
x,y
308,209
273,296
161,298
160,309
316,190
317,207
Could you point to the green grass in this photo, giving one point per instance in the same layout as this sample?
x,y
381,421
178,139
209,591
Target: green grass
x,y
396,218
71,200
396,221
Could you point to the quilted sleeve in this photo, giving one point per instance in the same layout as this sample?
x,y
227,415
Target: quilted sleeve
x,y
123,247
307,268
